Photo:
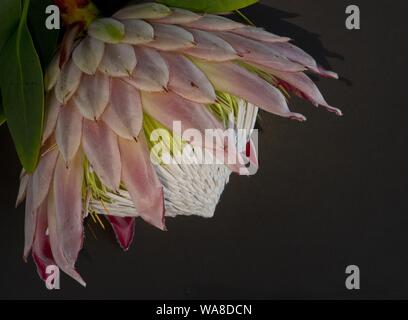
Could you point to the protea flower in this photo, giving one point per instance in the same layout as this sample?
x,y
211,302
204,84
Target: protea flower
x,y
111,85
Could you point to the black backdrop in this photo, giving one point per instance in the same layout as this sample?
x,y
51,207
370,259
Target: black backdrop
x,y
330,192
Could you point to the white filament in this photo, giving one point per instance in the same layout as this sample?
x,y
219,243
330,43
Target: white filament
x,y
189,189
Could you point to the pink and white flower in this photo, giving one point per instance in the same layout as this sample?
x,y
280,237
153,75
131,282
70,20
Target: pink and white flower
x,y
147,61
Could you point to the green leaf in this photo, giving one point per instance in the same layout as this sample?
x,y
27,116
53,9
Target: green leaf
x,y
209,6
45,40
9,16
23,92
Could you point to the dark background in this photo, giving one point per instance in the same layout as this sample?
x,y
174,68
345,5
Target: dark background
x,y
330,192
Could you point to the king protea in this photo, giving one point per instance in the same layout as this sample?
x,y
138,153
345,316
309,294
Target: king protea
x,y
147,61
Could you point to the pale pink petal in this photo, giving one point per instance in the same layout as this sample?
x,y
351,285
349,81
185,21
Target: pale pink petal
x,y
187,80
52,109
210,47
253,51
88,55
143,11
293,53
170,38
107,30
152,74
29,221
137,32
68,82
169,107
212,22
52,73
231,78
69,131
58,240
259,34
68,204
326,73
22,173
114,121
22,191
92,96
100,145
124,113
140,179
41,253
124,229
304,87
179,16
119,60
42,177
68,42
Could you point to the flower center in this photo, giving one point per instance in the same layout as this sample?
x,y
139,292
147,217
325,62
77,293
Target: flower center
x,y
77,11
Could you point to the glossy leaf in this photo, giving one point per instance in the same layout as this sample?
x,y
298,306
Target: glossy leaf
x,y
23,92
9,16
209,6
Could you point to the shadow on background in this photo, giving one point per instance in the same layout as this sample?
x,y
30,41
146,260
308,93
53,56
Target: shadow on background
x,y
278,22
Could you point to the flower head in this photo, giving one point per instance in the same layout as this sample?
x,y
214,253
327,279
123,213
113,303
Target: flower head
x,y
144,68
